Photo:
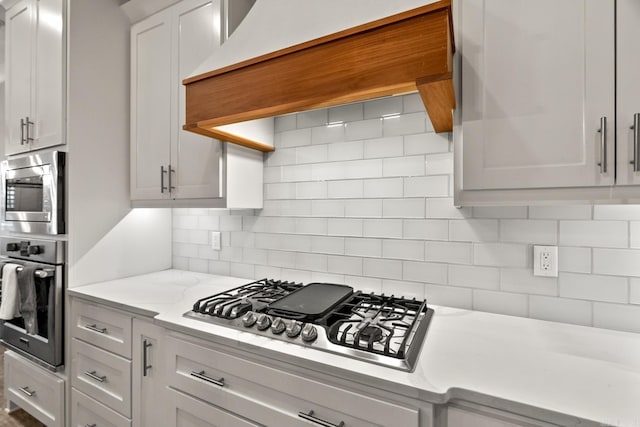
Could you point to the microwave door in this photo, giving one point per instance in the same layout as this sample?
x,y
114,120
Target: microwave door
x,y
26,196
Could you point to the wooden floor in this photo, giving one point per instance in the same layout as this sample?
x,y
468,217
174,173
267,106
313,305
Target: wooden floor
x,y
18,418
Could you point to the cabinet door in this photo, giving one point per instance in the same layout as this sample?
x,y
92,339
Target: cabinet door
x,y
149,401
628,91
47,100
537,77
18,61
151,111
196,159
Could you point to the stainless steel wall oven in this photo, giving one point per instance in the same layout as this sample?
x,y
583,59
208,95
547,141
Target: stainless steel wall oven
x,y
33,191
39,336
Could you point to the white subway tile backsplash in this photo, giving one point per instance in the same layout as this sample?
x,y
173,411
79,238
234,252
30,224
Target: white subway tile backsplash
x,y
209,222
243,239
311,190
574,260
501,212
427,186
403,166
403,208
449,252
282,156
382,268
180,236
523,281
185,250
308,119
560,212
390,228
426,229
272,174
280,191
617,212
312,154
403,289
501,303
281,259
185,222
634,234
425,272
286,208
346,113
405,124
634,294
326,277
238,269
616,262
230,254
287,122
444,208
230,223
327,245
501,254
255,256
181,263
604,234
403,249
269,272
449,296
363,247
365,129
327,208
561,310
440,164
474,277
529,231
363,169
352,188
616,316
365,284
344,227
473,230
200,237
297,173
345,265
317,226
391,105
328,134
412,103
363,208
218,267
198,265
293,138
426,143
312,262
345,151
594,288
387,187
384,147
300,276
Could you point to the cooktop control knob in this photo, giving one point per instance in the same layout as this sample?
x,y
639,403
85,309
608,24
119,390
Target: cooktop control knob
x,y
309,333
264,322
12,247
278,326
294,329
35,250
249,319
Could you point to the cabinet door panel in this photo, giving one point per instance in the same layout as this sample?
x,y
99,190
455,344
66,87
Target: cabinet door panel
x,y
148,408
196,159
628,90
47,97
18,60
151,119
537,76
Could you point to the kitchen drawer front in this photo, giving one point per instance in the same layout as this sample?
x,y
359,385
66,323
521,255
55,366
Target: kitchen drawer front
x,y
263,393
32,388
185,411
102,375
109,329
87,412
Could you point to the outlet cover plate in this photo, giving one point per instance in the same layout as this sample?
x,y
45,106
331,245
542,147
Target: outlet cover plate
x,y
545,261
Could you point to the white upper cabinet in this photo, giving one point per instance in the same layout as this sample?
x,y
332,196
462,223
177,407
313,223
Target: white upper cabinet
x,y
628,91
537,83
34,75
169,164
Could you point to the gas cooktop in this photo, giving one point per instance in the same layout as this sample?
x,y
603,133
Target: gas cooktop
x,y
378,328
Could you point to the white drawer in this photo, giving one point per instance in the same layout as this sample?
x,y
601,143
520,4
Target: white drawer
x,y
102,375
34,389
271,396
185,411
106,328
87,412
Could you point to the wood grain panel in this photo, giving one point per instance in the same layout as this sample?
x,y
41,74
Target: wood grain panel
x,y
378,59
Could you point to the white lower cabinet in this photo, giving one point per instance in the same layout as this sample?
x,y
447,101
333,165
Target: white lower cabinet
x,y
148,375
472,415
86,411
37,391
185,411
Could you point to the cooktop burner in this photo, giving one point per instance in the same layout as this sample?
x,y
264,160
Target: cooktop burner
x,y
378,328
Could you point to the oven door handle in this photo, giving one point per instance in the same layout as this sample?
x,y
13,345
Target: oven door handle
x,y
95,328
316,420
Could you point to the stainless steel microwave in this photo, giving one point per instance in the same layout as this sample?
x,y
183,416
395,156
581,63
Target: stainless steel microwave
x,y
33,193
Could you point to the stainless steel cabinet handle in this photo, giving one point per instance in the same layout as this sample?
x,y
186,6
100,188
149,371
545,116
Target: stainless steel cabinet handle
x,y
95,328
27,123
96,377
26,391
323,423
171,172
603,145
145,361
91,425
202,376
636,142
162,172
21,131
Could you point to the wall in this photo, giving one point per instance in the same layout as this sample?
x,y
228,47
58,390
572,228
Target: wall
x,y
361,194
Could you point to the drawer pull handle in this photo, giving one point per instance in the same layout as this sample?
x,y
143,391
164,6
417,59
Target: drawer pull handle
x,y
202,376
95,328
96,377
145,358
636,142
91,425
26,391
603,145
316,420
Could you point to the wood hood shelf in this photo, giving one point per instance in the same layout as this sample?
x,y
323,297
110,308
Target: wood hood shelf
x,y
402,53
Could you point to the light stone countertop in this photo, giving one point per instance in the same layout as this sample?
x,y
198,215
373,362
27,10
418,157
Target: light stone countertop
x,y
532,367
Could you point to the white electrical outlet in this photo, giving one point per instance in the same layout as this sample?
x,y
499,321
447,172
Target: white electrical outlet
x,y
215,240
545,261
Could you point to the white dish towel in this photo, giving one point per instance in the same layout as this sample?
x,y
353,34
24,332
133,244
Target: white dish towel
x,y
10,304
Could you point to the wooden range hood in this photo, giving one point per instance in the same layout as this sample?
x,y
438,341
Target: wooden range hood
x,y
401,53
